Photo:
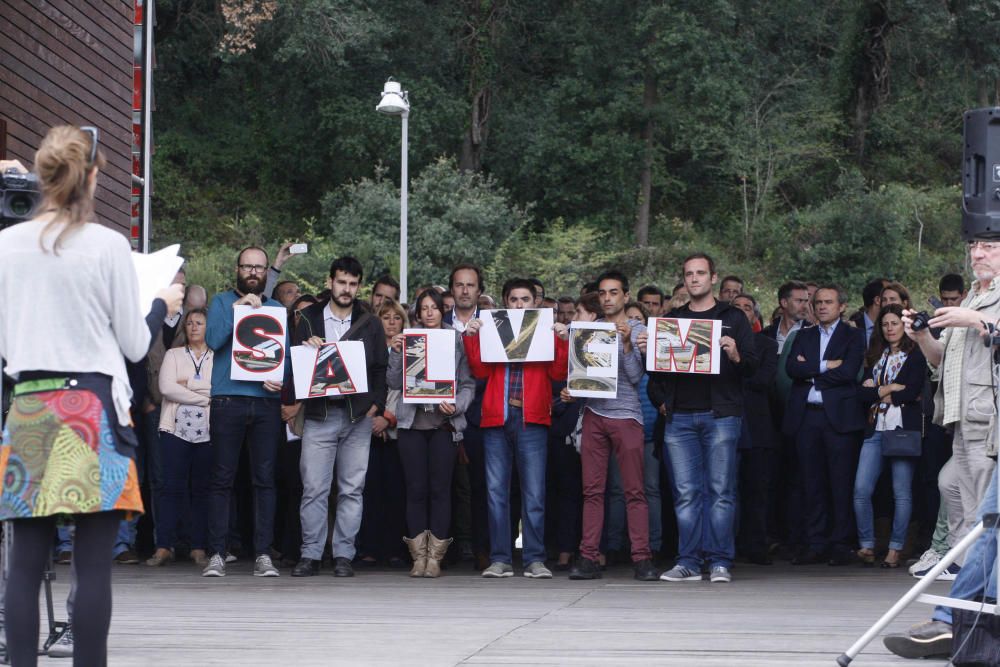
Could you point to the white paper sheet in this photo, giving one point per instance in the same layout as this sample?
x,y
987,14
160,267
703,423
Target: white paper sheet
x,y
429,366
678,345
593,360
514,336
333,369
155,271
258,343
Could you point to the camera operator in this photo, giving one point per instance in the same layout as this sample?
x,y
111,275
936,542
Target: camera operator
x,y
964,399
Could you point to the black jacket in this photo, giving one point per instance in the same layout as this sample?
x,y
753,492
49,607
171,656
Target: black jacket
x,y
838,386
727,386
372,335
913,376
756,395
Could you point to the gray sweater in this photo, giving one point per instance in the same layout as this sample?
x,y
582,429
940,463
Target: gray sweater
x,y
630,370
464,391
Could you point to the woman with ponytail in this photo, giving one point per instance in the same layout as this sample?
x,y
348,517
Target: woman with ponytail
x,y
68,449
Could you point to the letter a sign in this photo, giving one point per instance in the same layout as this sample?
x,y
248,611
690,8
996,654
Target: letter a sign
x,y
515,335
678,345
258,343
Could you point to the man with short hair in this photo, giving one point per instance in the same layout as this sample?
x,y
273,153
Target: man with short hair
x,y
824,417
964,399
613,426
386,287
241,411
516,415
758,442
871,297
651,297
729,288
565,309
539,291
466,285
449,301
951,289
793,300
703,420
678,297
337,430
548,302
286,292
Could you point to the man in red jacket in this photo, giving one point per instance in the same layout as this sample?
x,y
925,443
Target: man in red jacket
x,y
517,412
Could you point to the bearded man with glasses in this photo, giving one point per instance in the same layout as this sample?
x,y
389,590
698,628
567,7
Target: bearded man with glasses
x,y
241,411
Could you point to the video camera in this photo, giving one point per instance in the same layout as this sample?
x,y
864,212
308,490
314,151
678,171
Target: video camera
x,y
19,196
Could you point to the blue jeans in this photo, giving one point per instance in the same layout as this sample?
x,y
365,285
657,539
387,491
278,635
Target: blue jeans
x,y
188,468
980,561
869,469
233,420
526,446
702,453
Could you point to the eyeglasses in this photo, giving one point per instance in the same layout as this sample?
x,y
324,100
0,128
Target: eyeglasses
x,y
984,245
92,131
252,268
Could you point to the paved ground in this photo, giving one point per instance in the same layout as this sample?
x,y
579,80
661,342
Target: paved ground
x,y
777,615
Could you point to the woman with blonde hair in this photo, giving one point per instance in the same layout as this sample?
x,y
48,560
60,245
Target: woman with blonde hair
x,y
68,448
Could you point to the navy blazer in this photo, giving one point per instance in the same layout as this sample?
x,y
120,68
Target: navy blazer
x,y
838,386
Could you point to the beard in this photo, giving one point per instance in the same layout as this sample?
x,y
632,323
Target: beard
x,y
245,286
343,300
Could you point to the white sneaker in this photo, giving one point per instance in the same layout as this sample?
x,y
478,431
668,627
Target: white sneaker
x,y
926,561
537,570
263,567
216,567
720,575
681,573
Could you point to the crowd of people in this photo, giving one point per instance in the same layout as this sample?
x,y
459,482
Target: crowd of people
x,y
778,456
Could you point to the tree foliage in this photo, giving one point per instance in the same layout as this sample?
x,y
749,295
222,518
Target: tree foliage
x,y
790,138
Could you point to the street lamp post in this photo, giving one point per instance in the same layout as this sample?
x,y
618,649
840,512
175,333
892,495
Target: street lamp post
x,y
395,102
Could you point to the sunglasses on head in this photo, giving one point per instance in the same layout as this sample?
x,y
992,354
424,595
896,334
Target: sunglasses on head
x,y
92,131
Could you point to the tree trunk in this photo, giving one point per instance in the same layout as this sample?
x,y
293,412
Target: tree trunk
x,y
649,97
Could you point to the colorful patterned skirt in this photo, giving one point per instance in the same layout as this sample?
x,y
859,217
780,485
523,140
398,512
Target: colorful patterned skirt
x,y
61,454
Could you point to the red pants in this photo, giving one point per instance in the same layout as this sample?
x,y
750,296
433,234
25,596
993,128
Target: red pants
x,y
624,437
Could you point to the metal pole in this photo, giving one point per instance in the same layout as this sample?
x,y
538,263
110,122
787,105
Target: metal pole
x,y
147,126
404,176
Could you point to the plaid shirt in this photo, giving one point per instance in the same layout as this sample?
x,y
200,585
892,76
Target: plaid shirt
x,y
515,382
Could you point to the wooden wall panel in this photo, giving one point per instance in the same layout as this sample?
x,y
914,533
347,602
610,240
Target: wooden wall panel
x,y
70,62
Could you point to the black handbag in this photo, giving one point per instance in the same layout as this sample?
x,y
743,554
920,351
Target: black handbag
x,y
899,442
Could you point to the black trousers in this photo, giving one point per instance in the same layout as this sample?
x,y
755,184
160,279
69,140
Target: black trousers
x,y
756,467
828,461
428,461
472,442
383,515
566,498
92,546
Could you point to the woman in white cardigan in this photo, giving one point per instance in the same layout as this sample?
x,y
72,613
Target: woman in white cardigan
x,y
186,384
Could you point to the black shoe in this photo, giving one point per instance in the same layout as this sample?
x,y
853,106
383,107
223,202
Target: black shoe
x,y
561,567
584,568
759,558
342,567
307,567
646,571
838,558
807,558
924,640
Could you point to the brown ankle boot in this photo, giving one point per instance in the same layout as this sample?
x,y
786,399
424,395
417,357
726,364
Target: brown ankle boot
x,y
418,552
436,550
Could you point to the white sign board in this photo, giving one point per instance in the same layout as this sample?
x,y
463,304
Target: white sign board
x,y
514,335
333,369
429,366
678,345
593,360
258,343
155,271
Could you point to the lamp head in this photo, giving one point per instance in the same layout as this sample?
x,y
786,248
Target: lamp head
x,y
394,100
